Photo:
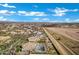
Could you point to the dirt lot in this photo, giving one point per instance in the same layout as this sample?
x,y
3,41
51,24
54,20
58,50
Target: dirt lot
x,y
68,32
68,36
3,38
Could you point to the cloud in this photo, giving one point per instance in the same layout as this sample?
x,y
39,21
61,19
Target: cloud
x,y
77,20
6,5
67,20
2,18
6,12
35,6
31,13
70,21
41,19
22,13
46,19
36,19
55,21
5,19
74,10
61,11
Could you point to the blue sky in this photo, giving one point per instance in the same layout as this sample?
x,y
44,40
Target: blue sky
x,y
39,12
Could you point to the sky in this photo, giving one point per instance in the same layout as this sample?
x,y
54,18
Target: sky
x,y
39,12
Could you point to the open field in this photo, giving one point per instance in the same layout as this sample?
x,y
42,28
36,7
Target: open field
x,y
66,36
68,32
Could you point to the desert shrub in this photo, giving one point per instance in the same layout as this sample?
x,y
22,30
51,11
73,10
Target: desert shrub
x,y
3,33
41,41
18,48
2,47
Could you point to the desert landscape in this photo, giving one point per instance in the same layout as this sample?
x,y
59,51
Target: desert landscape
x,y
39,29
38,38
